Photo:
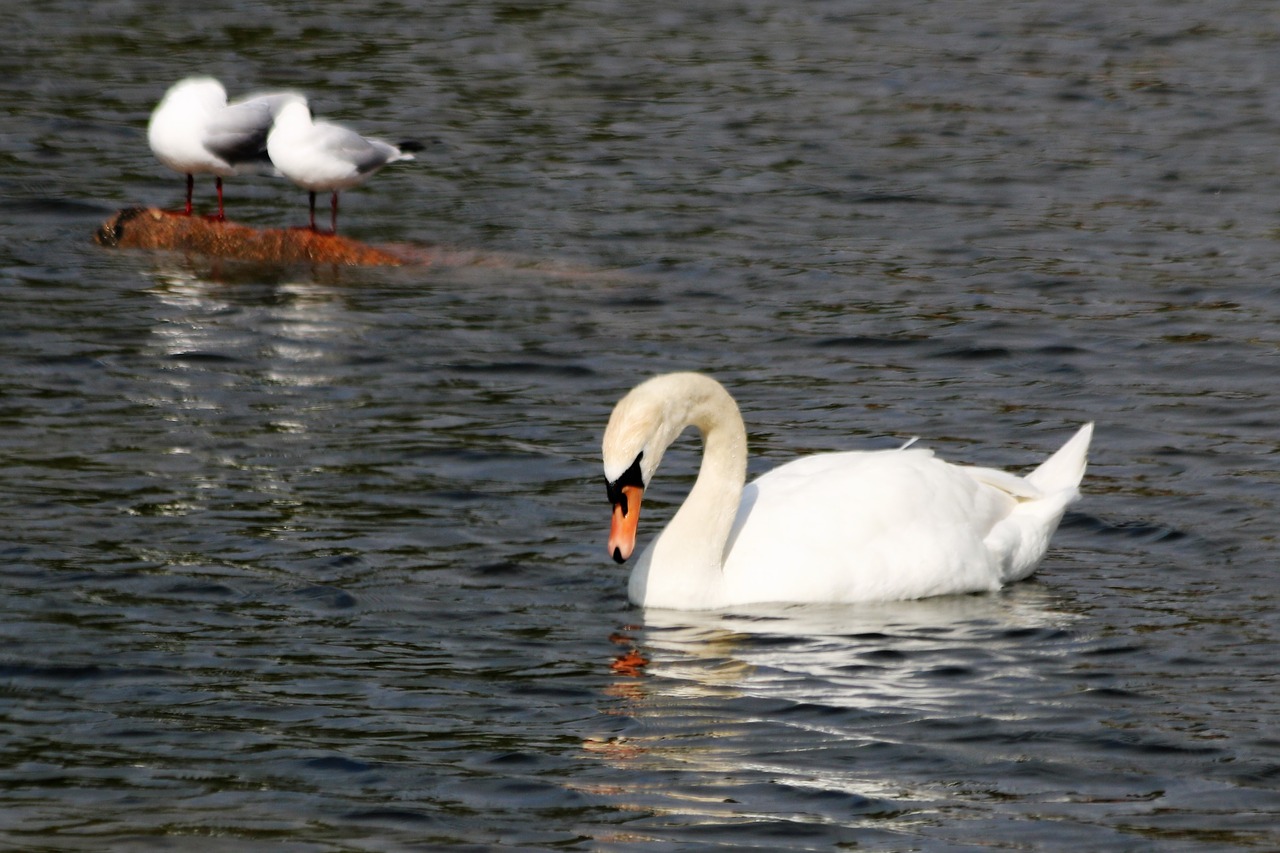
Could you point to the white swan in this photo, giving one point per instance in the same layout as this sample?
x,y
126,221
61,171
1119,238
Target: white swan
x,y
835,527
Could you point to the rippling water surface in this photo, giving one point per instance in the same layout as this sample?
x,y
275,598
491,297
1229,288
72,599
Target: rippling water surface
x,y
316,556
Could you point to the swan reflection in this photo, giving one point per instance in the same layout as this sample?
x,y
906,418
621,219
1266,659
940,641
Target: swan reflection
x,y
844,656
756,692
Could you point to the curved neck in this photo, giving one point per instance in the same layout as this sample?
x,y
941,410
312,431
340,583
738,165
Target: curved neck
x,y
718,489
693,544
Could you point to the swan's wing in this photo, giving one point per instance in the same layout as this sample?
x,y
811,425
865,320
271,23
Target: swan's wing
x,y
867,526
1011,484
837,465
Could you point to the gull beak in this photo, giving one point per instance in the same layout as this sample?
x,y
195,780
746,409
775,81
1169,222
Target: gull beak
x,y
626,517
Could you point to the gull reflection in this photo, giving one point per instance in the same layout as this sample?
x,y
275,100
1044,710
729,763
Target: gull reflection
x,y
241,376
283,332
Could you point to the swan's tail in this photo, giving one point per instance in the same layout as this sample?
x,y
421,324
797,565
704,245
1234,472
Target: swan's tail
x,y
1021,539
1065,469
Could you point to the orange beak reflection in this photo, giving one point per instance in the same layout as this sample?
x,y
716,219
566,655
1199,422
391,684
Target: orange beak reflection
x,y
626,517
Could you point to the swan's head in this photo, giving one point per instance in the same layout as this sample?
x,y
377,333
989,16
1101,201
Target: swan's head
x,y
625,493
642,426
628,467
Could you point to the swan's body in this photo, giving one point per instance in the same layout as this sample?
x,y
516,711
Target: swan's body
x,y
832,528
320,156
194,131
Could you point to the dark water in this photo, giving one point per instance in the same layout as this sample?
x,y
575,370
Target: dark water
x,y
315,558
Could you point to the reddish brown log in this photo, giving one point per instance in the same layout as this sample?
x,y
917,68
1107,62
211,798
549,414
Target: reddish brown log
x,y
151,228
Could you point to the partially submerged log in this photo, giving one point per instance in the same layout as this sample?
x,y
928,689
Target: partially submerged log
x,y
152,228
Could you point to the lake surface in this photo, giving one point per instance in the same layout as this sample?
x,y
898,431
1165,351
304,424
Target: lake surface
x,y
315,559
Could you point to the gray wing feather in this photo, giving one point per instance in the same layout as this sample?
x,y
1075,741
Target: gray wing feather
x,y
238,133
365,155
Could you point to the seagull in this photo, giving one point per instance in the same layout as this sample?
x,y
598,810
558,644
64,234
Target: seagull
x,y
193,130
319,155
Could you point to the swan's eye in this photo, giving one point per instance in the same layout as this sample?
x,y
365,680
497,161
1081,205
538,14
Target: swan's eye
x,y
630,477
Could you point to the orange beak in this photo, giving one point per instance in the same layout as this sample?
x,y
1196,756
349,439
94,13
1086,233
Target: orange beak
x,y
626,518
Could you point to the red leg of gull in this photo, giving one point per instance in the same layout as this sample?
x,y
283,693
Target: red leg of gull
x,y
221,215
333,217
191,183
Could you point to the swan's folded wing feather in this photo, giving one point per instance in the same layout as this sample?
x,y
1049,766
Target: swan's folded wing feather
x,y
806,468
1011,484
870,526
